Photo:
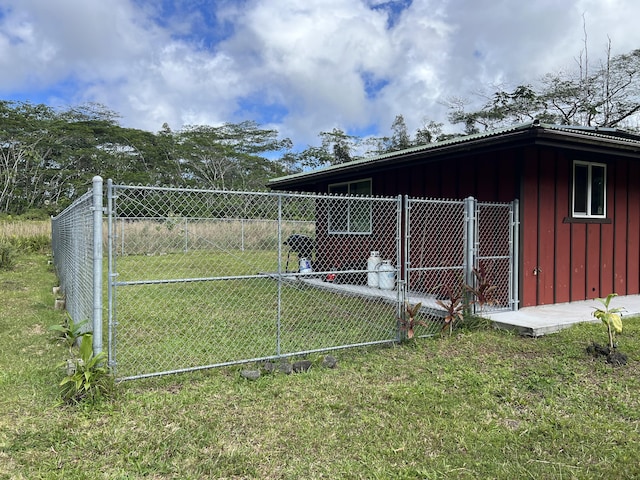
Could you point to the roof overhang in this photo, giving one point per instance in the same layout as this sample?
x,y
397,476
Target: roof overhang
x,y
603,141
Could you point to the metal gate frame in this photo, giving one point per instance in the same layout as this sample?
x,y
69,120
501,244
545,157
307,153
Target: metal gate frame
x,y
474,252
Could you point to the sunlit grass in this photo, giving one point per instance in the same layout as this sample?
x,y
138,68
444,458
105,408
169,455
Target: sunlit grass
x,y
478,404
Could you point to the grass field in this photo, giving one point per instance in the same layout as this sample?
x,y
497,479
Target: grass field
x,y
169,326
481,404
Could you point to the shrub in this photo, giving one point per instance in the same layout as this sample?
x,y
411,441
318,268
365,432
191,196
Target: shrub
x,y
7,255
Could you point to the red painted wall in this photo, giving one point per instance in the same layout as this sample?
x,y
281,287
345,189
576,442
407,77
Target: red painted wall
x,y
569,260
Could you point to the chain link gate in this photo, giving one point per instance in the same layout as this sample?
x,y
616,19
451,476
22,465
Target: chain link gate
x,y
496,242
201,278
456,249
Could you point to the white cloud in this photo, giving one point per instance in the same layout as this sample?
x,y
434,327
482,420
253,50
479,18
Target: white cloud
x,y
311,65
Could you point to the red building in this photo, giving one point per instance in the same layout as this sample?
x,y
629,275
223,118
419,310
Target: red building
x,y
578,190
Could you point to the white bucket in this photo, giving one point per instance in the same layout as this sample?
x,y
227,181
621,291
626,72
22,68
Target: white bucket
x,y
373,262
305,265
387,275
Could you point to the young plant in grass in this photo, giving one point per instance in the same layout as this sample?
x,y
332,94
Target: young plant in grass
x,y
454,307
88,380
483,291
69,332
612,318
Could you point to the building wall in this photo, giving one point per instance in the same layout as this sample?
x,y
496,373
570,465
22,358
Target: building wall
x,y
490,177
564,260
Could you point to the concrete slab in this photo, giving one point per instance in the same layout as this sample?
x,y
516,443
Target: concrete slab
x,y
544,319
529,321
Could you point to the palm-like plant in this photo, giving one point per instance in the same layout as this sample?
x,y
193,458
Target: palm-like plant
x,y
610,317
453,306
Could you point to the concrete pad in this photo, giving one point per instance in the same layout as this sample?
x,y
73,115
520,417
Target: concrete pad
x,y
544,319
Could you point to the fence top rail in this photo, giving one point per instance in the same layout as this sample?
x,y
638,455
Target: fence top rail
x,y
495,204
439,201
453,201
84,198
253,194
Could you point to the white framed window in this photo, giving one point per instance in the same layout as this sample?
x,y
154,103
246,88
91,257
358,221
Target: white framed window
x,y
350,215
589,190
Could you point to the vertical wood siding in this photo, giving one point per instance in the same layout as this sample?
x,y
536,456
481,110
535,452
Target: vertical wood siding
x,y
565,262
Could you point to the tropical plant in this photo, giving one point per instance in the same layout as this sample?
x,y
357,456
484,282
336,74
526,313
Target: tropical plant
x,y
453,305
483,291
610,317
88,379
407,321
69,331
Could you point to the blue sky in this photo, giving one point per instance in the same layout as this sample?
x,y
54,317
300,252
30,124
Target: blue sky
x,y
301,66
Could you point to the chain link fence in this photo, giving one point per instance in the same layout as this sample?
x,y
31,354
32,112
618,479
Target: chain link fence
x,y
76,238
202,278
205,278
459,257
494,255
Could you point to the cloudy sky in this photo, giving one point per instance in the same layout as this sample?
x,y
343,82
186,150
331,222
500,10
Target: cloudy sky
x,y
301,66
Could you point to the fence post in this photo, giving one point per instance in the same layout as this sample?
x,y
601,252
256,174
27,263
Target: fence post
x,y
112,249
470,234
515,254
280,280
97,264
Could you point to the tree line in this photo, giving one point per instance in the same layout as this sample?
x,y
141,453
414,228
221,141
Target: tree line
x,y
48,156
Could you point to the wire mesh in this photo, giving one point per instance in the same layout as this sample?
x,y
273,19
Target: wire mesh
x,y
435,259
72,246
494,267
203,278
459,259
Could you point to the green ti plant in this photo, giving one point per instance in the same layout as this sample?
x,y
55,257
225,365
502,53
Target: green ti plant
x,y
87,377
69,332
407,321
610,317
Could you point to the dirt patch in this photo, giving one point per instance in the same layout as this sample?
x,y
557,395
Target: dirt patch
x,y
36,329
613,356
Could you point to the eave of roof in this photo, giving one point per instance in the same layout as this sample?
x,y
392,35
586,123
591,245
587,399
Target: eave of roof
x,y
542,133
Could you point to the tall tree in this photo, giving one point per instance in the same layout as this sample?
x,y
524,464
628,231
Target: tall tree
x,y
430,132
231,156
399,135
25,133
605,96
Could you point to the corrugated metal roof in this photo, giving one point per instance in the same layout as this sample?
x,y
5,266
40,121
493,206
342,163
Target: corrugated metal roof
x,y
595,132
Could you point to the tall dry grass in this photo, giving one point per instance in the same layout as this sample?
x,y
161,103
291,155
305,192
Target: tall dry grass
x,y
24,228
150,236
26,235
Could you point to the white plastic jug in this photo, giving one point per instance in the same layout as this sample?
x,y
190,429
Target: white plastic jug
x,y
373,262
387,275
305,265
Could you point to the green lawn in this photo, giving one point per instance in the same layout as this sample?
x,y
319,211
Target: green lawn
x,y
481,404
180,325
